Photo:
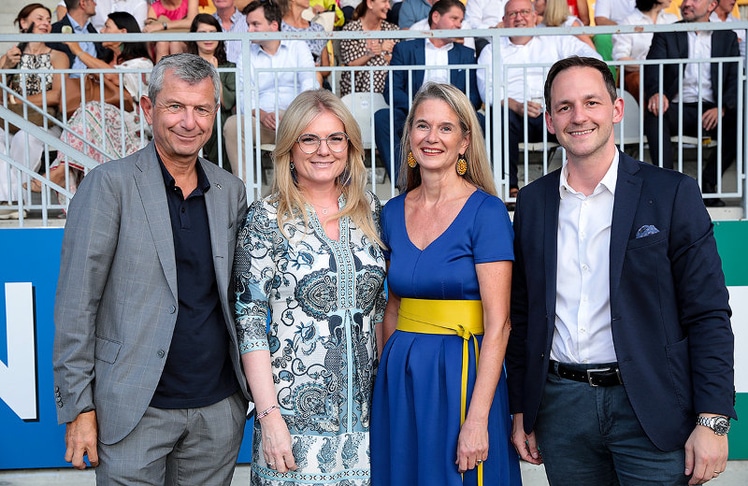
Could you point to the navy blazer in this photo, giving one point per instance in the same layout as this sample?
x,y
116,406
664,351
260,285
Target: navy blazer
x,y
413,53
670,316
674,45
102,52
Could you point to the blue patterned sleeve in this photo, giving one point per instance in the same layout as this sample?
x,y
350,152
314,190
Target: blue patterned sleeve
x,y
381,299
254,274
492,232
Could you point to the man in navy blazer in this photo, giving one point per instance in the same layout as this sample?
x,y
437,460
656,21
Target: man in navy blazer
x,y
79,14
621,340
444,14
718,80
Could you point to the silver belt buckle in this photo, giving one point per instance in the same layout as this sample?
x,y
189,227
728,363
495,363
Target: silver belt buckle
x,y
589,375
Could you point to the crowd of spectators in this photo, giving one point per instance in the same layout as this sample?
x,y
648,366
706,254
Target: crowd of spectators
x,y
520,89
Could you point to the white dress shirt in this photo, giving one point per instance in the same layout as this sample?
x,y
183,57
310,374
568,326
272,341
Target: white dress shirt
x,y
583,322
520,82
615,10
636,46
484,14
699,47
436,56
423,24
275,91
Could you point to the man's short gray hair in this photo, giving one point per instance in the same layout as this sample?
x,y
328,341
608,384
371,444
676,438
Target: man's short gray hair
x,y
187,67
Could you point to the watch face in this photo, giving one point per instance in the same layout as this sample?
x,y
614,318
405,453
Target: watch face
x,y
721,425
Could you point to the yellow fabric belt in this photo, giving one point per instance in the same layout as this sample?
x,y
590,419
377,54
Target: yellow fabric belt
x,y
463,318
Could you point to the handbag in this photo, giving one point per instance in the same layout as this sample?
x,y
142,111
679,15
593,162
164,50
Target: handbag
x,y
92,88
32,115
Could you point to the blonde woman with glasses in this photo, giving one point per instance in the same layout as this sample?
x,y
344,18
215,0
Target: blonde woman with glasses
x,y
309,274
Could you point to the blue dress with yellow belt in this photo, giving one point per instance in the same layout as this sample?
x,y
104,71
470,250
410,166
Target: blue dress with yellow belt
x,y
417,394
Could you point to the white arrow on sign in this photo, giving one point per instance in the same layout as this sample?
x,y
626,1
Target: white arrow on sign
x,y
18,376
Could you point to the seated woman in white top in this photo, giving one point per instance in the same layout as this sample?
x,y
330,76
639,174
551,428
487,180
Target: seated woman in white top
x,y
636,46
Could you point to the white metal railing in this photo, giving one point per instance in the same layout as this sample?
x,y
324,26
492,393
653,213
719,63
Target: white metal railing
x,y
252,166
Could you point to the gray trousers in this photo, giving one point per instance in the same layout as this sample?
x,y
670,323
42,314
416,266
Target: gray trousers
x,y
193,446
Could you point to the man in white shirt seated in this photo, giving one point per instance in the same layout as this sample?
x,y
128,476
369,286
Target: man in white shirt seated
x,y
270,93
518,83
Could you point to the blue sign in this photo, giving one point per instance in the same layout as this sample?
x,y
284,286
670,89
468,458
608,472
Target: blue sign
x,y
30,436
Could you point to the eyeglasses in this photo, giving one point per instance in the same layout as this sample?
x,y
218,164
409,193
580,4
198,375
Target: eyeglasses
x,y
309,142
524,13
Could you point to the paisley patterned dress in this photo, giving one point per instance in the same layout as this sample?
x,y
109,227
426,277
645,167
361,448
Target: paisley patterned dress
x,y
313,303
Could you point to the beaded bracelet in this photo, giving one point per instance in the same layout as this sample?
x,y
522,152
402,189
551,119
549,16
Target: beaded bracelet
x,y
267,411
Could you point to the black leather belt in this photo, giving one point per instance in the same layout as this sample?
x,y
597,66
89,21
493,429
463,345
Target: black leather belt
x,y
609,375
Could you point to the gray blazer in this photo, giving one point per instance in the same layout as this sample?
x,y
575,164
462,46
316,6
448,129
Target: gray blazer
x,y
116,303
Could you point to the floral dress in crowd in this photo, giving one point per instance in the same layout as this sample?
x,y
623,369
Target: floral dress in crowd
x,y
352,49
321,298
103,131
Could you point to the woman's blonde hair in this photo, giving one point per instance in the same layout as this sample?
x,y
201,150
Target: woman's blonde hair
x,y
479,170
556,13
351,183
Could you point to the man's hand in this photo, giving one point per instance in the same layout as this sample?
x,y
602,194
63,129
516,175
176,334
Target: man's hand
x,y
267,119
653,105
706,455
81,437
710,118
534,110
526,446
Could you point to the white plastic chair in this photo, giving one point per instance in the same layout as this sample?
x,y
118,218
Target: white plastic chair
x,y
363,106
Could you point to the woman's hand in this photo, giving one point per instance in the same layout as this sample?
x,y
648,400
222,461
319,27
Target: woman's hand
x,y
155,24
276,443
472,445
12,57
374,47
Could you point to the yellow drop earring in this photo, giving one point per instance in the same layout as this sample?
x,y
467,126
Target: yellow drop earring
x,y
462,165
412,162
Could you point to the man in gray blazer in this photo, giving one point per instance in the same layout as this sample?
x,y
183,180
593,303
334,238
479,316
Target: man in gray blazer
x,y
146,365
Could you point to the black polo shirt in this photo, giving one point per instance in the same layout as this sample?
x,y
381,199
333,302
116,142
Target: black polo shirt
x,y
198,370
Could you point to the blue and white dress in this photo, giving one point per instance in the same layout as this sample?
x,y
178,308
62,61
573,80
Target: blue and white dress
x,y
321,298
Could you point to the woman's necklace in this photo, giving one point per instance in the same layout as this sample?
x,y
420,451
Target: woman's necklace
x,y
322,209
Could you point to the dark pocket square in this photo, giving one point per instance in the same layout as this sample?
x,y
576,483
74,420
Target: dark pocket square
x,y
647,230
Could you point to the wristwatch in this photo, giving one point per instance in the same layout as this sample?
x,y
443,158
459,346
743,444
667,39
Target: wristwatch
x,y
720,425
